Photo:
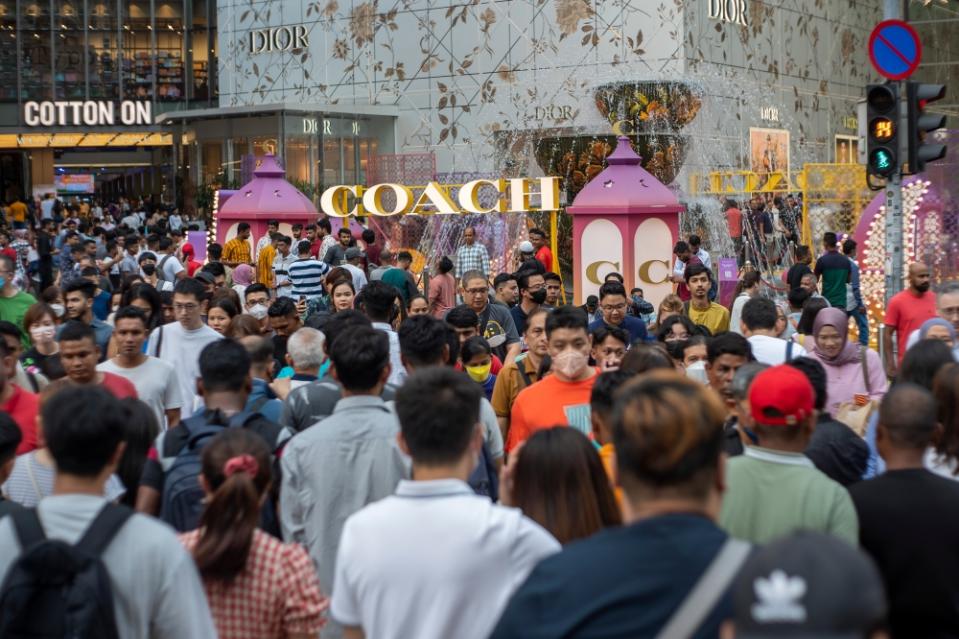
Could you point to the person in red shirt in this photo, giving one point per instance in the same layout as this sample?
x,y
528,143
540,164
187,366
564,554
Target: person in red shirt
x,y
192,266
79,354
545,256
734,221
906,312
562,397
21,405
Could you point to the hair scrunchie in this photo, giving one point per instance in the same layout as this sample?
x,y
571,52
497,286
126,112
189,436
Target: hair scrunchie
x,y
241,464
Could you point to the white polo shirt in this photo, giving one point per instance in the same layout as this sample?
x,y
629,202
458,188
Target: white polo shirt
x,y
435,560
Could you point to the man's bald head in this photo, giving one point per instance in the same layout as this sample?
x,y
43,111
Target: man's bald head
x,y
908,415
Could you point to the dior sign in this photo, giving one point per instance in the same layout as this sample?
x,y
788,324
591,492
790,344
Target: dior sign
x,y
278,39
734,11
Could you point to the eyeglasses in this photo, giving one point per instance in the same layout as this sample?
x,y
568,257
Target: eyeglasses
x,y
188,308
611,308
476,291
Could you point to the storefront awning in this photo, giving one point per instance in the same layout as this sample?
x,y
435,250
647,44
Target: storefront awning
x,y
73,140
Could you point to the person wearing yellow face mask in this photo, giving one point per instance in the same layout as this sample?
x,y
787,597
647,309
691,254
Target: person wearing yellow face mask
x,y
477,358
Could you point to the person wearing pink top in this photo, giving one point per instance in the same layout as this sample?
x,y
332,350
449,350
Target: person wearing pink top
x,y
846,374
442,294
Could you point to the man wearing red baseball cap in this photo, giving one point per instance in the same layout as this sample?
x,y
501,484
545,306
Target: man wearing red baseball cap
x,y
773,489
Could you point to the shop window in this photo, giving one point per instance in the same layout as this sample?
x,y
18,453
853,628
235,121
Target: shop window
x,y
8,51
170,51
138,59
36,64
104,62
68,62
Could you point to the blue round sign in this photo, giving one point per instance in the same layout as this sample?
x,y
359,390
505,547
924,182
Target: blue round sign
x,y
895,49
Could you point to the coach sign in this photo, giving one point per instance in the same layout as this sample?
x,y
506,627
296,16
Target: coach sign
x,y
87,113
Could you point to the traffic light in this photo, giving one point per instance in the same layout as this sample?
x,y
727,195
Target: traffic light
x,y
882,133
917,97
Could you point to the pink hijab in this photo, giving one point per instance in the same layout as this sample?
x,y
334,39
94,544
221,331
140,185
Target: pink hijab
x,y
243,274
840,321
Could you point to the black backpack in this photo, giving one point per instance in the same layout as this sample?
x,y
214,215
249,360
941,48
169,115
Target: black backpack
x,y
182,502
55,590
484,480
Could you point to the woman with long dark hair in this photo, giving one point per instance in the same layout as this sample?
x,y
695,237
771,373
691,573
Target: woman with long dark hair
x,y
557,479
256,585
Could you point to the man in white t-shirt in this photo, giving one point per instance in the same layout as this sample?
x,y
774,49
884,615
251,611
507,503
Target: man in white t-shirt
x,y
759,327
273,226
179,344
154,379
154,583
435,560
169,268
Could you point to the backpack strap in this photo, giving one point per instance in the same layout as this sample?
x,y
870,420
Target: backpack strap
x,y
159,340
160,267
104,527
258,404
29,529
521,369
711,586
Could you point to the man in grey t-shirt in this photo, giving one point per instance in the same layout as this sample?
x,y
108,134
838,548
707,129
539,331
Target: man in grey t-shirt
x,y
495,321
157,593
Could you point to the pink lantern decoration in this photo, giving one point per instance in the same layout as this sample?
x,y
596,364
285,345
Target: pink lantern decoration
x,y
625,221
268,196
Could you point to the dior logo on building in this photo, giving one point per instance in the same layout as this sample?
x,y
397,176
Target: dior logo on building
x,y
278,39
734,11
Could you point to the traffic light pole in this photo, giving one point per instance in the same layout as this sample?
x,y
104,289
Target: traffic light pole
x,y
893,190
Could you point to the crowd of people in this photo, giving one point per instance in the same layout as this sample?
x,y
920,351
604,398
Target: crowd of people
x,y
300,437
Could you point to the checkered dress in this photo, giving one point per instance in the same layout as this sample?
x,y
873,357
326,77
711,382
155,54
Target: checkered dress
x,y
276,595
472,258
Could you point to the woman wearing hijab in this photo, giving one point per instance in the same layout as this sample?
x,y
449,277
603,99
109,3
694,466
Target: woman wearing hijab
x,y
242,277
940,329
845,370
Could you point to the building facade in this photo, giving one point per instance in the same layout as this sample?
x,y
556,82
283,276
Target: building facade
x,y
83,83
532,86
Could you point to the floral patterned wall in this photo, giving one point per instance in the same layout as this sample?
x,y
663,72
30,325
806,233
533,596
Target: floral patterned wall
x,y
806,58
478,83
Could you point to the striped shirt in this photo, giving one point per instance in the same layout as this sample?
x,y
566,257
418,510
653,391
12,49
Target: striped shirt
x,y
307,276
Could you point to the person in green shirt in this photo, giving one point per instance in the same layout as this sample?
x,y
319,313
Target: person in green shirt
x,y
773,489
13,302
700,310
834,270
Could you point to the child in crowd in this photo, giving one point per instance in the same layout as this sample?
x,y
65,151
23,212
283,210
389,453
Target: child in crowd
x,y
477,358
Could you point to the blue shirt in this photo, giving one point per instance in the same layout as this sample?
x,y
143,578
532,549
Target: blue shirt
x,y
254,402
632,325
621,582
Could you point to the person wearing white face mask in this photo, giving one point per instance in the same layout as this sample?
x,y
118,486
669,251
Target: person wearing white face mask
x,y
562,397
40,322
256,299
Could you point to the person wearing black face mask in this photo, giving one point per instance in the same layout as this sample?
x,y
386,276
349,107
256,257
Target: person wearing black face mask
x,y
148,268
532,294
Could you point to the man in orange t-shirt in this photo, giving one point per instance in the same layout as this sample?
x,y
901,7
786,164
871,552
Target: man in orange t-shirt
x,y
561,398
